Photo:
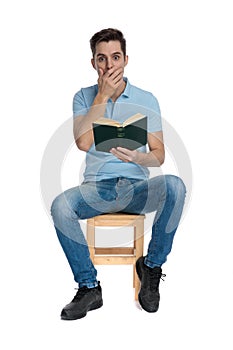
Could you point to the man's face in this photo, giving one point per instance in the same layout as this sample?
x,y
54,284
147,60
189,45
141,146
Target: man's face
x,y
109,55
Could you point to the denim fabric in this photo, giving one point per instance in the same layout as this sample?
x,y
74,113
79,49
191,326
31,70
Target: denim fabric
x,y
163,195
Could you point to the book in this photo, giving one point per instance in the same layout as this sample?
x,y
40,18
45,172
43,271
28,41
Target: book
x,y
131,134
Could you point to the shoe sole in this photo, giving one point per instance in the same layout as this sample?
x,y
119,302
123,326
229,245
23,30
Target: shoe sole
x,y
94,306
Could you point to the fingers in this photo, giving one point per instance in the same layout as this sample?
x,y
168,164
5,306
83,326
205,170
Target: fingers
x,y
124,154
100,72
111,76
114,76
109,81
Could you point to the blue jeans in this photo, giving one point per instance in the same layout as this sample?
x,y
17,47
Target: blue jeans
x,y
163,195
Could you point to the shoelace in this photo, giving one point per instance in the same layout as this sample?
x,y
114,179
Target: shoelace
x,y
155,279
163,275
80,293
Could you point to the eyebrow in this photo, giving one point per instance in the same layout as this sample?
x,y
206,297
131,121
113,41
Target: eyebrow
x,y
114,53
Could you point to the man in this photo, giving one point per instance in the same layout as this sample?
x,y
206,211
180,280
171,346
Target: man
x,y
117,180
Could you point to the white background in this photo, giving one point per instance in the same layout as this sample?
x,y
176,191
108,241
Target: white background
x,y
182,52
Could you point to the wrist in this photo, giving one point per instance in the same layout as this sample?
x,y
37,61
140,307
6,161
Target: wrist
x,y
100,99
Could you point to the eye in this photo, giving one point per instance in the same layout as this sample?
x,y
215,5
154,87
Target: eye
x,y
116,57
101,59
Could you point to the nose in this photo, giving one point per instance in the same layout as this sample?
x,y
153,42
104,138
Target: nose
x,y
109,63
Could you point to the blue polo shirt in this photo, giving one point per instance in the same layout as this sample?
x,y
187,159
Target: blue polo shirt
x,y
102,165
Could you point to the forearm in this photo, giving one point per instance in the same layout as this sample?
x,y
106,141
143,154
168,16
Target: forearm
x,y
82,127
153,158
110,85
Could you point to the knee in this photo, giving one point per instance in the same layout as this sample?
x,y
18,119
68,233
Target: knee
x,y
175,187
60,208
57,206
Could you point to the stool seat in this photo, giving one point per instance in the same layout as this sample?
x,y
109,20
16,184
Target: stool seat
x,y
117,255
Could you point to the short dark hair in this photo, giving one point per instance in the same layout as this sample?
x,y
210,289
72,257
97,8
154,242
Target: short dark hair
x,y
108,35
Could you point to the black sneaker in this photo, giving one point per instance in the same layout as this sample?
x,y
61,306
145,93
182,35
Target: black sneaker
x,y
86,299
149,296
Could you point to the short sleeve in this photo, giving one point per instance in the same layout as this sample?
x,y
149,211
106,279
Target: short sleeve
x,y
79,105
154,115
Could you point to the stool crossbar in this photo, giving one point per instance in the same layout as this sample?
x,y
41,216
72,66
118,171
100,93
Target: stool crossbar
x,y
117,255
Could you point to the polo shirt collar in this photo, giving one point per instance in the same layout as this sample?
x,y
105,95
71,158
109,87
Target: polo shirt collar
x,y
126,92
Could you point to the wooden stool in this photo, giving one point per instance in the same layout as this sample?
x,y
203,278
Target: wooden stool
x,y
117,255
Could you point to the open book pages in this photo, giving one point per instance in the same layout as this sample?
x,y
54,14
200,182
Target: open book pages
x,y
112,122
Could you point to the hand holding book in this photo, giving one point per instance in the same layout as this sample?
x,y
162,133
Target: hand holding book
x,y
127,155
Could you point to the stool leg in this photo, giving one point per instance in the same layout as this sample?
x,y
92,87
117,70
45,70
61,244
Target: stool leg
x,y
91,238
138,245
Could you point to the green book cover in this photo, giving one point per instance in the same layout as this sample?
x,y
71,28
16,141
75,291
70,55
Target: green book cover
x,y
131,134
